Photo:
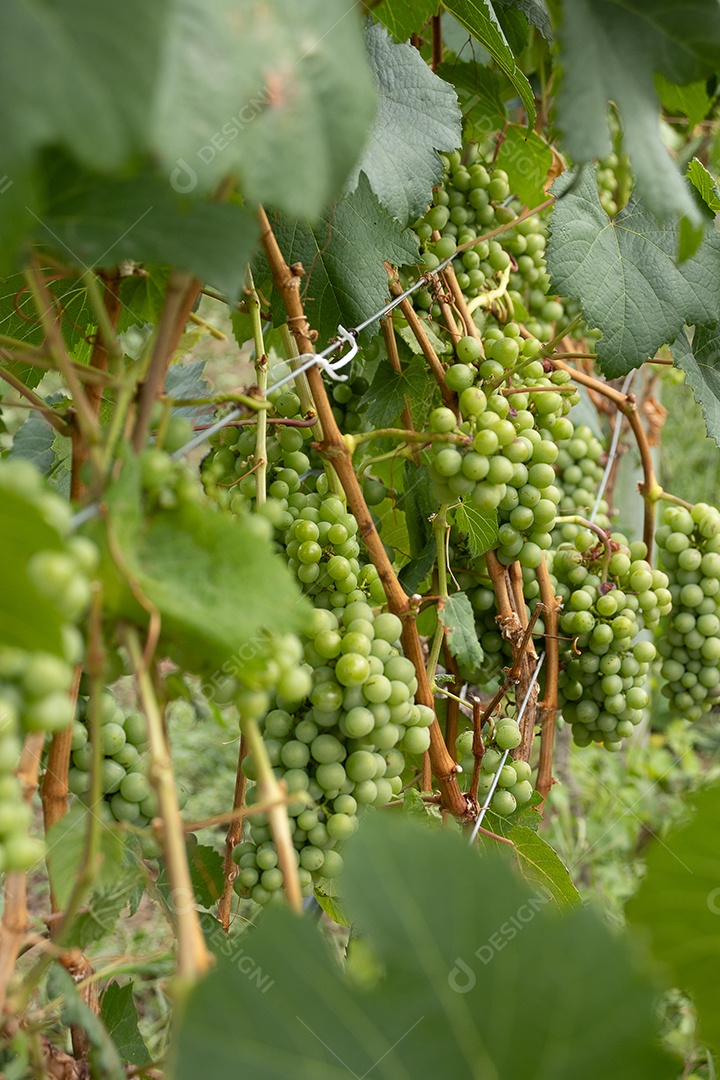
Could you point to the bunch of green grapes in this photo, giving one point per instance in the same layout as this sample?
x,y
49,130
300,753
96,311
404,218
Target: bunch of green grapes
x,y
603,674
608,181
514,787
124,762
346,397
472,199
509,465
35,685
342,749
579,472
689,637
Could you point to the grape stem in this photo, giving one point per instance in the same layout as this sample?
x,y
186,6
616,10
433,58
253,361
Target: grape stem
x,y
463,308
547,709
261,377
407,436
487,298
440,530
287,282
193,956
604,537
626,403
388,332
233,837
54,419
415,324
665,496
273,794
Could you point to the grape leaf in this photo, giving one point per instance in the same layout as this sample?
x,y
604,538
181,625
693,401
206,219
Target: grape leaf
x,y
102,1054
188,381
701,364
609,51
33,442
384,400
678,902
280,94
527,159
536,13
95,221
624,273
481,529
458,618
705,184
691,101
417,116
479,19
441,347
343,257
219,588
447,1000
541,864
119,1014
405,17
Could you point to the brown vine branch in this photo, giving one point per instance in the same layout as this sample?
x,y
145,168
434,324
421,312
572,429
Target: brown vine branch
x,y
460,302
180,295
388,333
415,324
649,487
233,837
287,281
547,708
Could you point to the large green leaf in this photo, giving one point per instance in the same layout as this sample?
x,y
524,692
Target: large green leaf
x,y
469,958
624,273
701,364
479,19
278,92
405,17
384,400
94,221
417,115
678,903
610,51
218,586
343,258
481,528
527,159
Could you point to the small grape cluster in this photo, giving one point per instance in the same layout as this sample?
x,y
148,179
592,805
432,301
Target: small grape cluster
x,y
514,787
340,751
689,637
579,473
509,467
601,684
124,763
346,397
35,685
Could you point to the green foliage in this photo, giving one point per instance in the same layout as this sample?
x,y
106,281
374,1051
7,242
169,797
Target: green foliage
x,y
198,568
479,19
448,1002
691,100
343,257
417,116
385,398
701,363
457,616
96,221
481,528
405,17
677,903
542,865
624,273
119,1015
609,51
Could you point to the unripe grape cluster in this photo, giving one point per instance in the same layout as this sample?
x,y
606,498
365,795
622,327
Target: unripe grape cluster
x,y
604,672
35,685
341,750
689,638
508,464
514,788
472,199
579,472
